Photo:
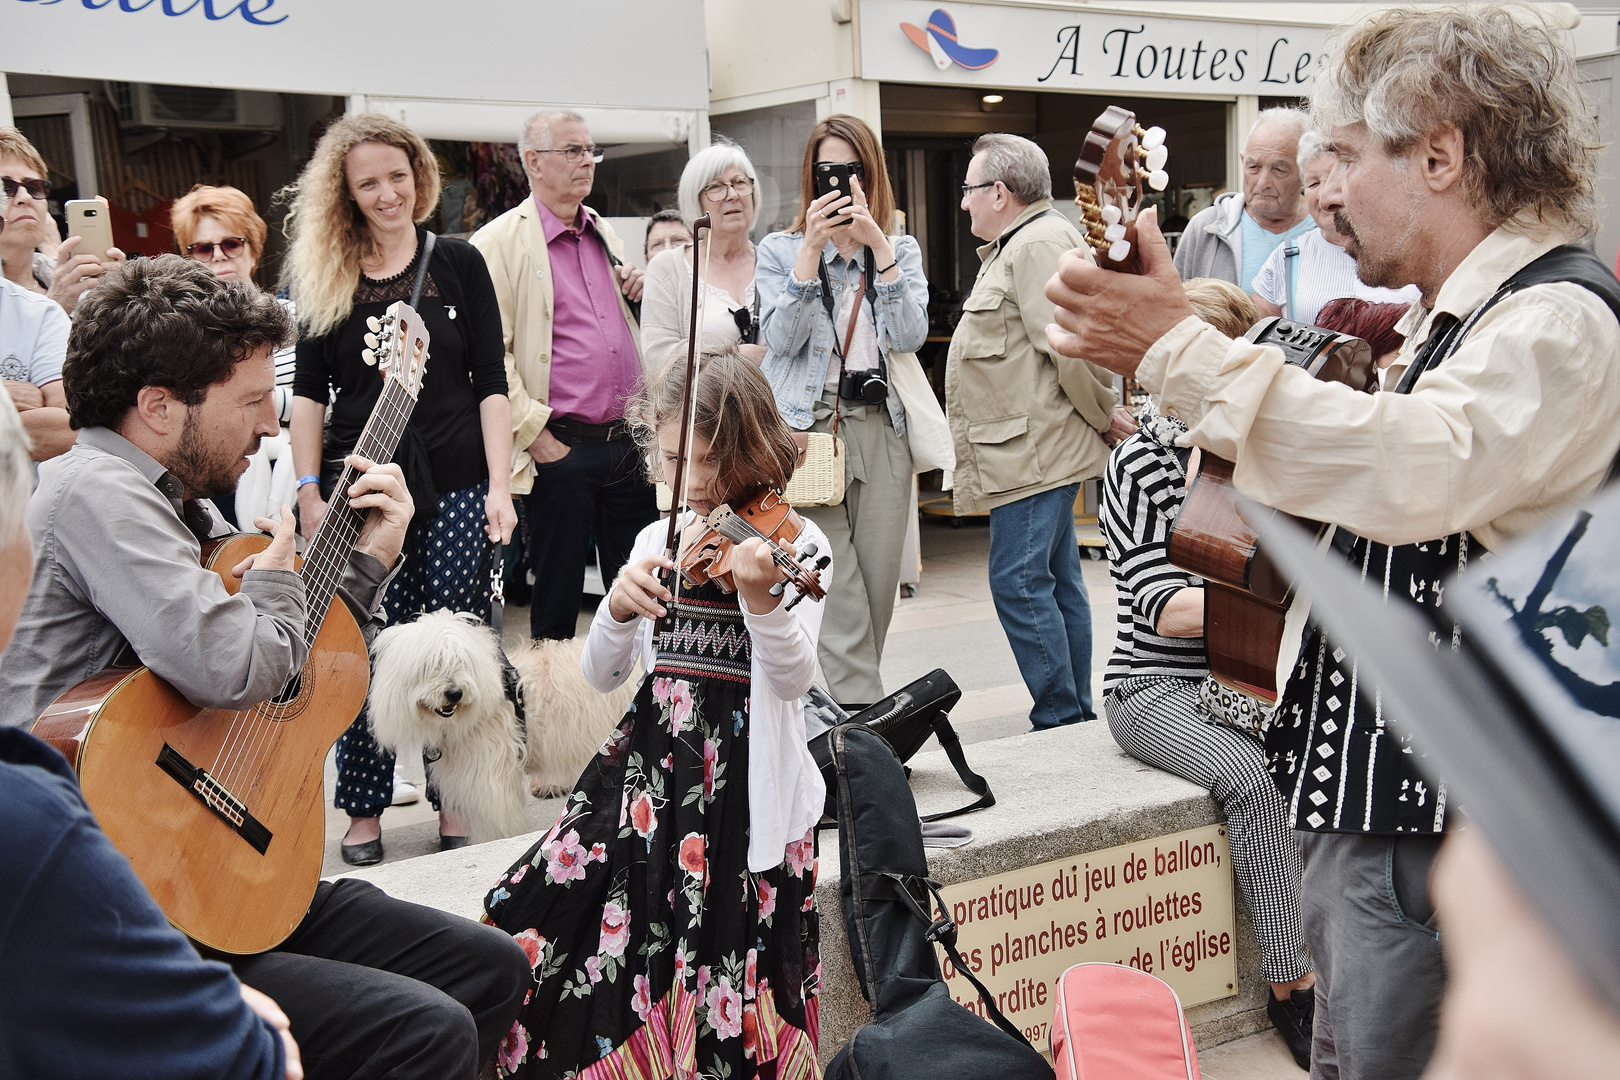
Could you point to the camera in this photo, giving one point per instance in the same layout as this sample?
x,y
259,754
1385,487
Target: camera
x,y
867,386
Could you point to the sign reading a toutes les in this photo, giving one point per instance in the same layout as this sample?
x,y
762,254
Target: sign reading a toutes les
x,y
1163,905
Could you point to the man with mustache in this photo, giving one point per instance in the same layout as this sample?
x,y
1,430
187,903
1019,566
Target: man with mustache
x,y
1466,166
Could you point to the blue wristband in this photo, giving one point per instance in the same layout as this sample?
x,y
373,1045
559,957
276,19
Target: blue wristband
x,y
302,480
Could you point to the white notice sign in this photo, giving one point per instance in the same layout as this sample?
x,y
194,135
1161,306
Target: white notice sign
x,y
1163,905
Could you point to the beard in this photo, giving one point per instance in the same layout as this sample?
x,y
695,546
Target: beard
x,y
205,471
1390,269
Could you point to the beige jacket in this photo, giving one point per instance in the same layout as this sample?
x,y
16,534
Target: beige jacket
x,y
514,248
1025,420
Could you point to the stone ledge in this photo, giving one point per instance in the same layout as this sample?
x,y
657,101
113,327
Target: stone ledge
x,y
1059,794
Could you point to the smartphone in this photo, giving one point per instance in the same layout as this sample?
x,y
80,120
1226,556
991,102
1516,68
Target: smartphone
x,y
90,219
834,176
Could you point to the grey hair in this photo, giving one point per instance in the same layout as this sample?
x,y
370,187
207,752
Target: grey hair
x,y
1019,164
543,120
1312,144
16,473
704,169
1501,75
1297,119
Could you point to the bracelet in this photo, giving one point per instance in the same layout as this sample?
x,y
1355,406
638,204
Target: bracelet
x,y
302,480
885,269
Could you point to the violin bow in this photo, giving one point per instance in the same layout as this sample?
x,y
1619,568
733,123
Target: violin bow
x,y
679,489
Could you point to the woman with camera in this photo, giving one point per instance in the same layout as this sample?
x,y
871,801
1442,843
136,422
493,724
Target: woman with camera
x,y
720,182
838,295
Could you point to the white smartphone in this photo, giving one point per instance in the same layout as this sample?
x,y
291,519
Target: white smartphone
x,y
90,219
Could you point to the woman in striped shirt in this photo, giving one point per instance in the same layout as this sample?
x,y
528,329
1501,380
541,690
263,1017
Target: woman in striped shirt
x,y
1158,668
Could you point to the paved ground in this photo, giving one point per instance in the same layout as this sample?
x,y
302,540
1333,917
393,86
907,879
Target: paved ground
x,y
950,623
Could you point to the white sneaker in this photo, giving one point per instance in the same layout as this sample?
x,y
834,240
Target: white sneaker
x,y
405,793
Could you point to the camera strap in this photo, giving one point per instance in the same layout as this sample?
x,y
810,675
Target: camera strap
x,y
854,317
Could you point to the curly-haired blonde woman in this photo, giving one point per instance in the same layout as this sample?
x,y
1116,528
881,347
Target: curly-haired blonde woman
x,y
356,243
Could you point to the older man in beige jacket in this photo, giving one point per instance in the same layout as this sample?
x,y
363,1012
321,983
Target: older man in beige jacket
x,y
573,360
1029,425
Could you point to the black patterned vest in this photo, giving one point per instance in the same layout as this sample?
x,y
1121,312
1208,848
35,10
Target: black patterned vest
x,y
1340,762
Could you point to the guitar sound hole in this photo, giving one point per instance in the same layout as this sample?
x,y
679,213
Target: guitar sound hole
x,y
290,691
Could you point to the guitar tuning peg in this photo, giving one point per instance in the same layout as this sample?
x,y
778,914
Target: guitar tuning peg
x,y
373,324
1119,249
1116,231
1158,180
1111,214
369,357
1152,138
371,341
1156,158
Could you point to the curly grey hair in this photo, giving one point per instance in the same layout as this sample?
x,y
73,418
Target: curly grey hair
x,y
1312,144
1019,164
1501,75
704,169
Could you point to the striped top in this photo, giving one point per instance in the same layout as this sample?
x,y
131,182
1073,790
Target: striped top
x,y
1321,272
1144,484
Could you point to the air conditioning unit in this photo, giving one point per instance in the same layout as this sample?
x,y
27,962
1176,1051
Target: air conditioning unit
x,y
154,105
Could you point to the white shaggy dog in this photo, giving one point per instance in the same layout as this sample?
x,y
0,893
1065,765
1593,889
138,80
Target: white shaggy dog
x,y
436,683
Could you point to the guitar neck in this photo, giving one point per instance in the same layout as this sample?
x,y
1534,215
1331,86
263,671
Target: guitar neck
x,y
334,542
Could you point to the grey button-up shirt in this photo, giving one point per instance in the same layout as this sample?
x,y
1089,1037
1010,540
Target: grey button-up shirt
x,y
118,580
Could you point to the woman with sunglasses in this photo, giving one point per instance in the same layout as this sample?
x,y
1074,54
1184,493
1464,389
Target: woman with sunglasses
x,y
838,294
357,248
218,227
720,182
29,248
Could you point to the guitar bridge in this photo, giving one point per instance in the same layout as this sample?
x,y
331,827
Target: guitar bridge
x,y
214,795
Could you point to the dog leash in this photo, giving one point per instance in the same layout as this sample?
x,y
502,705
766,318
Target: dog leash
x,y
497,622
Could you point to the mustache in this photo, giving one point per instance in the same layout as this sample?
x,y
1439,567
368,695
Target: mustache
x,y
1341,222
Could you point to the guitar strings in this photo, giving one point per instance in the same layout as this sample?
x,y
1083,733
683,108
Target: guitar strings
x,y
263,727
242,751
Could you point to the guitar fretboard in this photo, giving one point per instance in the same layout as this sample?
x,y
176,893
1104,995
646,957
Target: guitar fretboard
x,y
334,541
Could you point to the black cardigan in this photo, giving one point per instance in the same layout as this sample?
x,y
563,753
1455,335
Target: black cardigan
x,y
466,362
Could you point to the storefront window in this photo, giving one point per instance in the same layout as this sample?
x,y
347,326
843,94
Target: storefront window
x,y
773,138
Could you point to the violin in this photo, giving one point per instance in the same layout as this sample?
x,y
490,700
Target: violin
x,y
709,546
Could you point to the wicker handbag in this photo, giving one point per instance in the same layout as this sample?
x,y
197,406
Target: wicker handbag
x,y
819,479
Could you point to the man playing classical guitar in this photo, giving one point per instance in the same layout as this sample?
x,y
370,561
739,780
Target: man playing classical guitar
x,y
169,382
1466,163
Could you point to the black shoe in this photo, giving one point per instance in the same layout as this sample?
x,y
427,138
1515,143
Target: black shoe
x,y
451,843
1294,1018
367,854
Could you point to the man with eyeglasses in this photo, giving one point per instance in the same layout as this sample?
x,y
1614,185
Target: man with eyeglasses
x,y
666,230
33,327
573,358
1030,425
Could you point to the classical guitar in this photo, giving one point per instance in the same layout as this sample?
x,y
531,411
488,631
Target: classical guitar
x,y
1245,596
220,812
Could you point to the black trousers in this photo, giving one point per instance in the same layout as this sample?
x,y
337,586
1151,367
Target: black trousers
x,y
598,488
377,987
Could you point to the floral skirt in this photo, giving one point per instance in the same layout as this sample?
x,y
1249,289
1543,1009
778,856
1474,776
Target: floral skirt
x,y
656,953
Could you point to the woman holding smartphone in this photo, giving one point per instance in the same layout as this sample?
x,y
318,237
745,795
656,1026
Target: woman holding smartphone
x,y
837,295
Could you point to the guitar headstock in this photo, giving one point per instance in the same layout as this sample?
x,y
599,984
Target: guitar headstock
x,y
1117,155
397,345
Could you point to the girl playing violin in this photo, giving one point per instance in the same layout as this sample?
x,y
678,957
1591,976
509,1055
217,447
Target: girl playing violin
x,y
669,915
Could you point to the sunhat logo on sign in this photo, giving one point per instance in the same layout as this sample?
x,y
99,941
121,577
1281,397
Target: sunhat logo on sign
x,y
938,39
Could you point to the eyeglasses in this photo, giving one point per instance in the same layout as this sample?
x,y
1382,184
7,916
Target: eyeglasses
x,y
231,245
36,188
970,188
668,243
717,191
575,154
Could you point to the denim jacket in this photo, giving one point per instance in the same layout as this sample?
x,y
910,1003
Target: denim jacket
x,y
798,335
